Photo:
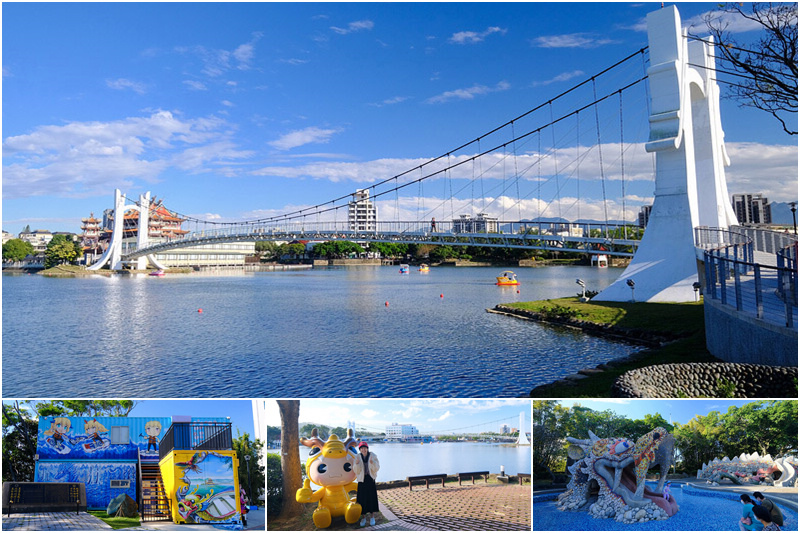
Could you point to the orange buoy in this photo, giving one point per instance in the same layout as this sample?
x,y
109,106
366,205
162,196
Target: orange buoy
x,y
199,310
387,304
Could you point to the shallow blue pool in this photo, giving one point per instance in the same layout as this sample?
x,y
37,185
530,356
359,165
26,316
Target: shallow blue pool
x,y
700,510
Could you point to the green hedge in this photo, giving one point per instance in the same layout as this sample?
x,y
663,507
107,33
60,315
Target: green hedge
x,y
274,484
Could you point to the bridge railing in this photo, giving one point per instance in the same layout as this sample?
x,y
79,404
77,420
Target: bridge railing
x,y
734,278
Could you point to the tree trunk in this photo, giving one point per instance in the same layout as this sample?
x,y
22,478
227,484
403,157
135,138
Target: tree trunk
x,y
290,457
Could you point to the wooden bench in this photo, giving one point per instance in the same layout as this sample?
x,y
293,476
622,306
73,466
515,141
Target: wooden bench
x,y
523,477
472,475
427,479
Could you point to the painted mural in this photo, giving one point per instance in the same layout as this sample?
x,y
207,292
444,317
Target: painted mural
x,y
95,474
90,438
206,490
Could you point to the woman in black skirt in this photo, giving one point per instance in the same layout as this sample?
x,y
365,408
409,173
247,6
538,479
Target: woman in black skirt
x,y
367,494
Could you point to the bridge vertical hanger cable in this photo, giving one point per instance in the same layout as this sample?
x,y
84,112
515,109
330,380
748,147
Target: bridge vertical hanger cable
x,y
480,173
449,177
578,161
516,172
555,158
622,166
600,153
539,170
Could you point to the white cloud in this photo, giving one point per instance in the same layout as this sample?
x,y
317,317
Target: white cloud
x,y
471,37
570,40
195,85
444,416
391,101
312,135
122,84
227,103
408,412
564,76
369,413
359,25
468,93
83,159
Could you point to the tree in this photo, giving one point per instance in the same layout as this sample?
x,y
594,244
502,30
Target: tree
x,y
290,457
61,249
20,434
251,472
337,249
17,250
267,249
769,66
83,407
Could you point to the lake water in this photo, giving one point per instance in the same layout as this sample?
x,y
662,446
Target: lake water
x,y
700,510
398,461
326,332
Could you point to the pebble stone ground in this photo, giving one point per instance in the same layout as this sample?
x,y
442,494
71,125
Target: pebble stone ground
x,y
477,507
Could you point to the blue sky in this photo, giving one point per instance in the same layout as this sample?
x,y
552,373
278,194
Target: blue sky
x,y
234,111
239,411
675,410
429,416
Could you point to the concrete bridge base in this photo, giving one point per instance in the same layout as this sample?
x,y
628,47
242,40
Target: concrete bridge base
x,y
737,338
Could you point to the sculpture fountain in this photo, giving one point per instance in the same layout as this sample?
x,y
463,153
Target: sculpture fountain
x,y
617,467
751,469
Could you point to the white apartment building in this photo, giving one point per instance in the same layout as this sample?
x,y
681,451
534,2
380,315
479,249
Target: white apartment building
x,y
401,431
482,223
361,212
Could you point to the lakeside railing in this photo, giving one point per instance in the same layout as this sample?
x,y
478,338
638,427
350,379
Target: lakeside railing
x,y
196,436
735,278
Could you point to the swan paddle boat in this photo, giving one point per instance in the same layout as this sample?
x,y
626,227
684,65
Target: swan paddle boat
x,y
507,278
424,268
404,269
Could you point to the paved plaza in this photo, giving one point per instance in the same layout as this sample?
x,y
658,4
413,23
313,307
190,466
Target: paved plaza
x,y
479,507
87,522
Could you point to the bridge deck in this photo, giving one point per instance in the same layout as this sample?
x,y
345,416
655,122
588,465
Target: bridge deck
x,y
774,308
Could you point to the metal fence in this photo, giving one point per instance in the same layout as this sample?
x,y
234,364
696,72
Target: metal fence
x,y
196,436
735,278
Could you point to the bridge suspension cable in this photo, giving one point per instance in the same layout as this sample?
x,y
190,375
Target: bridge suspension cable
x,y
510,148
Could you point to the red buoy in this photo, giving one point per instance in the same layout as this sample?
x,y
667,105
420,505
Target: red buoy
x,y
387,304
441,296
199,310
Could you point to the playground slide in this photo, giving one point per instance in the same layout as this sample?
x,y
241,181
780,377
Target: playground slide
x,y
629,481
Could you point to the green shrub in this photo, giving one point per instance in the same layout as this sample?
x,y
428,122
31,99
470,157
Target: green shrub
x,y
274,484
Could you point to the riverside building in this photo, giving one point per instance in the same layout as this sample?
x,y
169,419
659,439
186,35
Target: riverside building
x,y
165,225
182,469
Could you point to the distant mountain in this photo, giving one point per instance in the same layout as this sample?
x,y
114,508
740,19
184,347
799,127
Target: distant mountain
x,y
781,213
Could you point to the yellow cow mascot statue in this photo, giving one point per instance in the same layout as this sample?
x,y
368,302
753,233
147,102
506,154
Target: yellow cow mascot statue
x,y
331,465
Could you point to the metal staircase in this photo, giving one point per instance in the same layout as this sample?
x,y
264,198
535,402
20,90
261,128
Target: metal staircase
x,y
153,500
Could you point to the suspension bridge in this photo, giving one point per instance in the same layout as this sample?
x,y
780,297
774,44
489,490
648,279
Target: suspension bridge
x,y
564,175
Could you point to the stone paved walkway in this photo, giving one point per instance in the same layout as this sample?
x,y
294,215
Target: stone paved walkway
x,y
477,507
53,522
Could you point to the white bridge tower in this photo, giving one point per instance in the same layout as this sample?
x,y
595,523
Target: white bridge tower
x,y
523,437
113,254
690,189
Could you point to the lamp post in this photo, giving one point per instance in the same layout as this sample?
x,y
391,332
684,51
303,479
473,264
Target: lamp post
x,y
249,488
696,287
793,207
632,285
583,288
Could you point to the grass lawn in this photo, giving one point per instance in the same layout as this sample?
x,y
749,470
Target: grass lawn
x,y
114,522
685,319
